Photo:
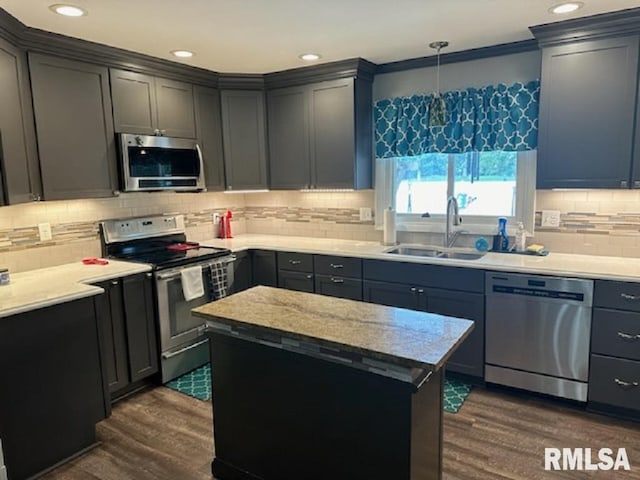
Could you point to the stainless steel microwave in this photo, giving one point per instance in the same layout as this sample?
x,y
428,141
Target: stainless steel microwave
x,y
149,163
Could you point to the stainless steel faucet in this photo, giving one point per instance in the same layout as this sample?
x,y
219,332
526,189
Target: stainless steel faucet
x,y
449,239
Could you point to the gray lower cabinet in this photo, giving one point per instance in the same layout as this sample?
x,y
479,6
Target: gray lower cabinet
x,y
74,123
128,332
338,276
587,111
209,134
320,135
19,169
336,286
151,105
244,139
300,281
241,272
451,291
53,390
295,271
614,372
264,268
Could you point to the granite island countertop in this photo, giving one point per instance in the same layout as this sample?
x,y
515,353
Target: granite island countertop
x,y
558,264
345,331
43,287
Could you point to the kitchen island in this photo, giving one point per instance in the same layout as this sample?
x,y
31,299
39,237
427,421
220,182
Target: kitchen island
x,y
314,387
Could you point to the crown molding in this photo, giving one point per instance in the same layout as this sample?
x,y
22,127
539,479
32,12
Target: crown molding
x,y
351,68
241,81
622,22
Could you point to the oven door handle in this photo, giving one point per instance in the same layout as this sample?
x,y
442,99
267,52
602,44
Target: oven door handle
x,y
182,350
176,273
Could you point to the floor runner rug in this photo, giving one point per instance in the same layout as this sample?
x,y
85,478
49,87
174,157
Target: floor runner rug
x,y
197,384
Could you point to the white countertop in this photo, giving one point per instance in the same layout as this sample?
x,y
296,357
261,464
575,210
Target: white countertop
x,y
561,264
49,286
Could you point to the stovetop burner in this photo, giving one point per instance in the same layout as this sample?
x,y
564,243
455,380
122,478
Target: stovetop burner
x,y
166,258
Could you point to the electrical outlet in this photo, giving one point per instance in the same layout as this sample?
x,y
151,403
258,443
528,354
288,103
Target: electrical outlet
x,y
365,214
44,229
550,218
216,218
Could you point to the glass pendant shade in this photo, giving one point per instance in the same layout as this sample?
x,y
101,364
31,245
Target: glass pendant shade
x,y
437,106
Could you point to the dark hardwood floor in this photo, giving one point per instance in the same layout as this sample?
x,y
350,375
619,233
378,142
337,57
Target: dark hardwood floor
x,y
161,434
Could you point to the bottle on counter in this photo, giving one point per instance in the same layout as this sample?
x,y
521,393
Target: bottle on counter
x,y
500,239
521,238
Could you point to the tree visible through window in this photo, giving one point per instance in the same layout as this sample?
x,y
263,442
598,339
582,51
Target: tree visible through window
x,y
484,183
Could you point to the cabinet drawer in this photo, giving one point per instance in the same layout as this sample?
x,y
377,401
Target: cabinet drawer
x,y
298,262
341,287
615,382
618,295
616,333
342,266
300,281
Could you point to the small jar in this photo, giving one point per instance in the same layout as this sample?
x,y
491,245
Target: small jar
x,y
4,276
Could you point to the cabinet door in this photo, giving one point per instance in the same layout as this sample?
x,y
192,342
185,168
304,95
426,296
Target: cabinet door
x,y
76,141
113,335
469,357
18,158
587,114
301,281
263,263
176,116
241,272
333,134
141,328
288,110
209,134
134,102
394,295
244,139
341,287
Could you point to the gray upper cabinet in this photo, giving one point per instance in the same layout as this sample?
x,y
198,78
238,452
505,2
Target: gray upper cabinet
x,y
151,105
320,135
244,139
288,120
18,154
74,123
587,111
209,134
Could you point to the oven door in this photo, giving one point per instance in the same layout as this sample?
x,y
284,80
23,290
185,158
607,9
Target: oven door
x,y
177,325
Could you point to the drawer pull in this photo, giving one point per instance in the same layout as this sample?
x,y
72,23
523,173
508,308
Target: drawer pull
x,y
626,296
420,290
626,384
336,265
309,277
337,280
413,289
295,262
626,336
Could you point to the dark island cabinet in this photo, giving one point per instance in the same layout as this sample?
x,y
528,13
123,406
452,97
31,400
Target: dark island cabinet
x,y
128,332
244,139
74,123
53,389
614,373
209,134
19,170
151,105
320,135
587,112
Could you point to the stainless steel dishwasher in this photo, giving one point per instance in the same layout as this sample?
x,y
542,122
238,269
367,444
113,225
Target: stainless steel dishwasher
x,y
537,333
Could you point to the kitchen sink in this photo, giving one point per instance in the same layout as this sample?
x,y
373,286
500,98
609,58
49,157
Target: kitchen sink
x,y
435,252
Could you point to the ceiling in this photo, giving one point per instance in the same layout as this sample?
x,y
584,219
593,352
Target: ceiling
x,y
260,36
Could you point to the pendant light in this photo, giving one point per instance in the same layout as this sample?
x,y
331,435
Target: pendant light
x,y
437,107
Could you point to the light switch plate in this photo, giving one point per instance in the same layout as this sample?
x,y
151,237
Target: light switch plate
x,y
550,218
365,214
44,229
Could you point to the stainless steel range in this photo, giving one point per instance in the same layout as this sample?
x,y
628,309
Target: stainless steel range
x,y
161,242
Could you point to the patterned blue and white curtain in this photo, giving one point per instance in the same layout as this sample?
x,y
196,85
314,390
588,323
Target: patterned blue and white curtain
x,y
497,117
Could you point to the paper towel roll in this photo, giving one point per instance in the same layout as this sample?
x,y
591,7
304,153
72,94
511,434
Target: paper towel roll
x,y
389,222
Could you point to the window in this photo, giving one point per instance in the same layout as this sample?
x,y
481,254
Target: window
x,y
487,185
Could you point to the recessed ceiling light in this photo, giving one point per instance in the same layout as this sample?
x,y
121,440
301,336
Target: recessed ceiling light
x,y
310,57
67,10
566,7
182,53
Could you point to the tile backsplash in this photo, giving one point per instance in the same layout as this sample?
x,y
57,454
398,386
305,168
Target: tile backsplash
x,y
602,222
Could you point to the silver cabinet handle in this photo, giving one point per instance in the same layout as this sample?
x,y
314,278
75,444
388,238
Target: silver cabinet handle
x,y
336,265
309,277
626,296
626,336
149,275
413,289
337,280
114,282
295,262
622,383
420,290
